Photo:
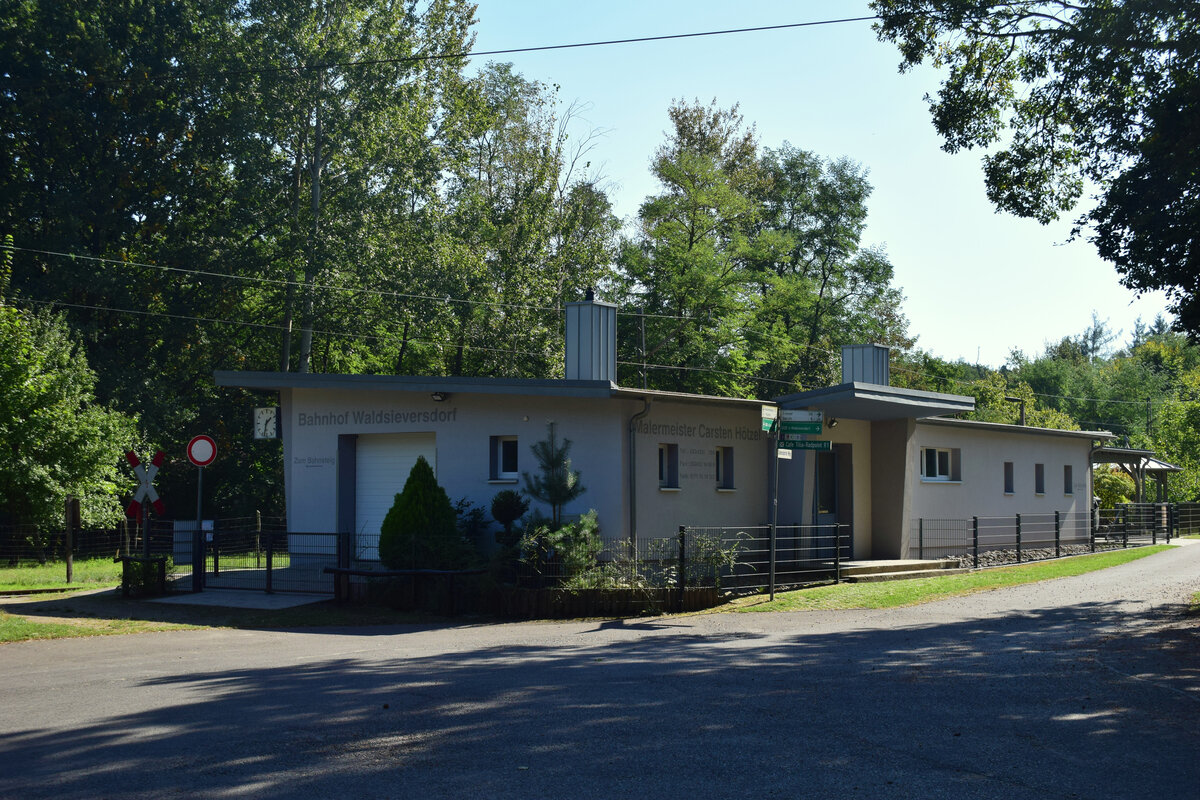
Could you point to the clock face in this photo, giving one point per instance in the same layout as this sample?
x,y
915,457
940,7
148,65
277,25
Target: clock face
x,y
264,423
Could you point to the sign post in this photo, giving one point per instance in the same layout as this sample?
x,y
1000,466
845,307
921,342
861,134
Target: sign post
x,y
137,509
201,451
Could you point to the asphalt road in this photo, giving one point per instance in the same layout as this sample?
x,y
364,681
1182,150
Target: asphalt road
x,y
1085,687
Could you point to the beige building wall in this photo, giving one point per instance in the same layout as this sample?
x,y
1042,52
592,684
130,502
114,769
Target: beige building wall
x,y
692,495
981,490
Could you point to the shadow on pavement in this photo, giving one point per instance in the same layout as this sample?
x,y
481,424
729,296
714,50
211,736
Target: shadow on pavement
x,y
1020,705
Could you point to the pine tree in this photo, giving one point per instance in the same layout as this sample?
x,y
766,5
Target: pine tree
x,y
556,484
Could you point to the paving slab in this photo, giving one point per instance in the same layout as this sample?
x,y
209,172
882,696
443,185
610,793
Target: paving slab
x,y
238,598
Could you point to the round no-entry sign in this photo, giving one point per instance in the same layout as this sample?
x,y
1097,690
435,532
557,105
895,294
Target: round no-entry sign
x,y
201,450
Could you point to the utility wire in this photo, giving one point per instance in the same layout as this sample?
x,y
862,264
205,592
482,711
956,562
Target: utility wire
x,y
278,281
268,326
263,70
493,304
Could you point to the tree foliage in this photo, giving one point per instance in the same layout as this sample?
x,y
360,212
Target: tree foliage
x,y
279,185
748,266
1065,93
555,483
55,439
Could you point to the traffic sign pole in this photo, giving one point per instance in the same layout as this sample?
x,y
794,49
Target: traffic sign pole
x,y
201,451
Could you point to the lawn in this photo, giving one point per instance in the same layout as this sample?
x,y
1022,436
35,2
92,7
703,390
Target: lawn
x,y
95,572
891,594
88,574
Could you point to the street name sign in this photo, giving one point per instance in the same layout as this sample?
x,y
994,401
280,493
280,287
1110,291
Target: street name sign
x,y
811,444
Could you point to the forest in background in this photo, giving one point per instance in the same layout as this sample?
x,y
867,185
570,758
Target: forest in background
x,y
330,187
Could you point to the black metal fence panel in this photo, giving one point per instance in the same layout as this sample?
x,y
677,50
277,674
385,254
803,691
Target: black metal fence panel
x,y
802,554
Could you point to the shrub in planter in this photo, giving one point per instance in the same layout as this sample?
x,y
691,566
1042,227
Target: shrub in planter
x,y
420,531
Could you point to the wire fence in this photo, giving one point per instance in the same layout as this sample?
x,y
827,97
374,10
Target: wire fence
x,y
24,547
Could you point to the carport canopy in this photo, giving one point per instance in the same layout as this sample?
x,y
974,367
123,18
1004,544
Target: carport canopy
x,y
1139,465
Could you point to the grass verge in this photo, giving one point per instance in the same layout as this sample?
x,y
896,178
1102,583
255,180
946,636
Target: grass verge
x,y
87,573
891,594
108,612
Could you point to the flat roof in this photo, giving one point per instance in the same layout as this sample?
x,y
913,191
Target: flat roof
x,y
274,381
875,401
1000,426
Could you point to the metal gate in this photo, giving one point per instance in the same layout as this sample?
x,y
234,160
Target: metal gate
x,y
270,561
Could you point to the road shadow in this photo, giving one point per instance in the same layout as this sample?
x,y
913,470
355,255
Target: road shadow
x,y
1048,703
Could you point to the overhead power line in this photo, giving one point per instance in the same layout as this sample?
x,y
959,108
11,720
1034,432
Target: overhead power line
x,y
263,70
449,299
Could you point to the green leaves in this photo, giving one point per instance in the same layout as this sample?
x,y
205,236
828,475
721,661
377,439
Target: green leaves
x,y
1103,91
55,440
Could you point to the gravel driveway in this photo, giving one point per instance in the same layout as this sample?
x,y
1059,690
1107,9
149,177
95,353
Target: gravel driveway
x,y
1085,687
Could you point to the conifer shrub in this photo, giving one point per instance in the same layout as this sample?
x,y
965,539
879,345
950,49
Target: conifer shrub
x,y
420,530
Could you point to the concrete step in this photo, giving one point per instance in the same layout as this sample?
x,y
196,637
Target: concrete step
x,y
908,574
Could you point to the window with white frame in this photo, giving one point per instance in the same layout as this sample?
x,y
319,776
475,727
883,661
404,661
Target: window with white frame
x,y
724,466
941,464
503,459
668,466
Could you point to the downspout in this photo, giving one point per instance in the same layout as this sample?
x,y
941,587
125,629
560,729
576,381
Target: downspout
x,y
633,469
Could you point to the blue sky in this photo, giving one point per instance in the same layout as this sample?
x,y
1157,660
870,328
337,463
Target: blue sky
x,y
977,283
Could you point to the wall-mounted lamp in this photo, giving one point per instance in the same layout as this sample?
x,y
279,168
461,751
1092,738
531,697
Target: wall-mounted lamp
x,y
833,423
439,397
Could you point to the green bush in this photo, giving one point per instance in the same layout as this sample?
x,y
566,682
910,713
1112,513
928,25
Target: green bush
x,y
508,507
420,531
567,551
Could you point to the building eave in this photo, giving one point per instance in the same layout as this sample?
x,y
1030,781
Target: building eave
x,y
1000,427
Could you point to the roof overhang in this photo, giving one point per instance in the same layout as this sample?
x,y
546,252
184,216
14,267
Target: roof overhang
x,y
276,381
1090,436
874,402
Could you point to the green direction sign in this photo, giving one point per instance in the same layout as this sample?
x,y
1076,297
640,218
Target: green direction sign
x,y
786,427
811,444
768,425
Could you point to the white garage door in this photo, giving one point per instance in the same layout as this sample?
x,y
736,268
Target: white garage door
x,y
383,462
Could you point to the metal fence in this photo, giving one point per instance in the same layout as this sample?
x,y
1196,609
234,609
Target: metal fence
x,y
731,558
692,558
799,555
1028,537
268,560
243,553
1187,519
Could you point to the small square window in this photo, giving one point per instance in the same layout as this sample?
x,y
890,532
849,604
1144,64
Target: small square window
x,y
503,458
1008,477
724,466
1068,480
941,464
1039,478
668,466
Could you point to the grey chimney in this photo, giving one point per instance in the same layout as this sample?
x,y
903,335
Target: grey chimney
x,y
591,341
866,363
